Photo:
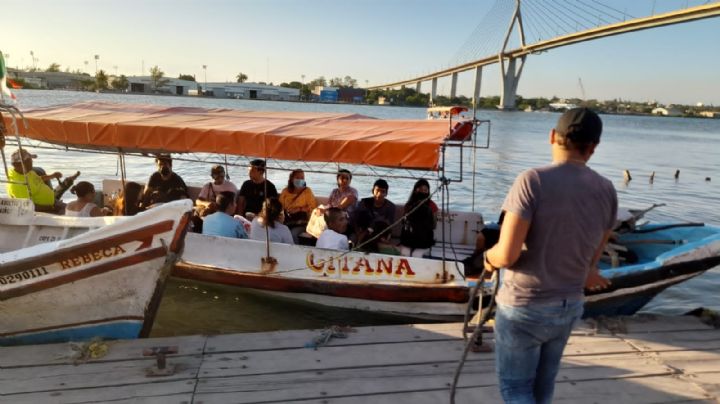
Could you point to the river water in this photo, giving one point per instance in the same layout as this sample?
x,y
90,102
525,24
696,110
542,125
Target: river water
x,y
518,140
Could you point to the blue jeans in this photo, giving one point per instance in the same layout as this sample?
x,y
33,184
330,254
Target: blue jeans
x,y
529,342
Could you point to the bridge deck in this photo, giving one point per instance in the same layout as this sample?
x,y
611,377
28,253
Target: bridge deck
x,y
620,361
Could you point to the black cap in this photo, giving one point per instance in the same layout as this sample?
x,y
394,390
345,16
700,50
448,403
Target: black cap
x,y
259,163
580,125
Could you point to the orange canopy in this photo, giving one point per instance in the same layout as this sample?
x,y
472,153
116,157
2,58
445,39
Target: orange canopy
x,y
344,138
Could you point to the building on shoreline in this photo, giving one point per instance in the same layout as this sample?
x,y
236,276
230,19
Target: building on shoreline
x,y
144,84
252,91
51,80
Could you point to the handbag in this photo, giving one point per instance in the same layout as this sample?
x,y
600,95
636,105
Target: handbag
x,y
298,218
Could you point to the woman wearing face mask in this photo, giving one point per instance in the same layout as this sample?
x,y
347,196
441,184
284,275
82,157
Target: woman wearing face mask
x,y
298,201
419,221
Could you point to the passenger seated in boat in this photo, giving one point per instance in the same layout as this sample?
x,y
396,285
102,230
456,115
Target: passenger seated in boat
x,y
41,194
218,184
333,237
84,206
252,192
486,239
164,185
128,204
344,196
419,222
269,222
376,207
205,203
298,201
377,239
222,223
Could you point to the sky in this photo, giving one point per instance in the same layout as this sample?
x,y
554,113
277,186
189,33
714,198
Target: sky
x,y
373,41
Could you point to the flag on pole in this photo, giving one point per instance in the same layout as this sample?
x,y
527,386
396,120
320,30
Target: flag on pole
x,y
6,96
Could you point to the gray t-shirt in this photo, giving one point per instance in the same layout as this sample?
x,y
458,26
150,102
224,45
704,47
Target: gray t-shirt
x,y
278,234
569,207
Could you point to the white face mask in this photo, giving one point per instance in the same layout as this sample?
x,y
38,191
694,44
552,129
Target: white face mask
x,y
299,183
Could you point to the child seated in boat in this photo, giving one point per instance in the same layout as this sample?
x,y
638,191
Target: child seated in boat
x,y
377,239
84,206
333,237
419,221
222,223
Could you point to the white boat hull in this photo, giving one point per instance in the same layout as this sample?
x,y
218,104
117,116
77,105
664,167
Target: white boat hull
x,y
104,283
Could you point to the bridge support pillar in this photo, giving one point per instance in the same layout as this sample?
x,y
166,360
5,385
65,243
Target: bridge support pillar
x,y
478,81
510,79
433,92
418,86
453,85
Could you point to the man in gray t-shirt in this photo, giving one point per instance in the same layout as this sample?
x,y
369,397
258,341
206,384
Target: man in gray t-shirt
x,y
562,214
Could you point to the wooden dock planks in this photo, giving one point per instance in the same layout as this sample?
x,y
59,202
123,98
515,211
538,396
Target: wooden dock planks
x,y
630,360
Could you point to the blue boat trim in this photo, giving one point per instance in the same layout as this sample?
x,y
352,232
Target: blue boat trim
x,y
126,329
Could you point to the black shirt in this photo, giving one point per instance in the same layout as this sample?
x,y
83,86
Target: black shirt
x,y
254,195
161,191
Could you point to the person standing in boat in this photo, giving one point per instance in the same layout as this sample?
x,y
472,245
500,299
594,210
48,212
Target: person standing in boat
x,y
298,201
563,214
164,185
41,194
222,223
252,192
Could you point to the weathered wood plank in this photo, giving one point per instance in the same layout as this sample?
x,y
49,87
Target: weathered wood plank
x,y
648,323
643,390
91,375
362,335
153,391
360,381
327,357
692,361
676,340
58,354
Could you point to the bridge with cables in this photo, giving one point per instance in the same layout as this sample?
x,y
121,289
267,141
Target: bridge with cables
x,y
540,25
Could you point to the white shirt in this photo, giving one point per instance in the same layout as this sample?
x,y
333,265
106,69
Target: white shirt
x,y
332,240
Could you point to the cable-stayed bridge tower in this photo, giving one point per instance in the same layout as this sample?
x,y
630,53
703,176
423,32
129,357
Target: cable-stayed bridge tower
x,y
554,23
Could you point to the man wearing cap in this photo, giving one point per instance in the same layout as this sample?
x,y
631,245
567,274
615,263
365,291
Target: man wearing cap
x,y
562,214
219,184
252,192
41,194
164,185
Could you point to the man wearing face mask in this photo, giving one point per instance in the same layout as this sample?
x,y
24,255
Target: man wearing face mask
x,y
164,185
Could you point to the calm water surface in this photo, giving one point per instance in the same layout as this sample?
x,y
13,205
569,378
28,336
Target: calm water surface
x,y
518,141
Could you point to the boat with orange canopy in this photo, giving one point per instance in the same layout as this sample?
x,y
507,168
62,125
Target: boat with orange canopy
x,y
433,286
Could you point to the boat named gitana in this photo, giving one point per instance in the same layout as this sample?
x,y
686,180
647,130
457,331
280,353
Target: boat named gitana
x,y
432,286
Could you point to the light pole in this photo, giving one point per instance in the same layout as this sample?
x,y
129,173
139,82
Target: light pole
x,y
86,64
205,74
32,55
96,60
115,67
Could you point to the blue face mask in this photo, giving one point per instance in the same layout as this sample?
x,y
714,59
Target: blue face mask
x,y
299,183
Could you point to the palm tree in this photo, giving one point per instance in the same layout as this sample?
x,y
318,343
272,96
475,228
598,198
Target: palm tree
x,y
241,77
